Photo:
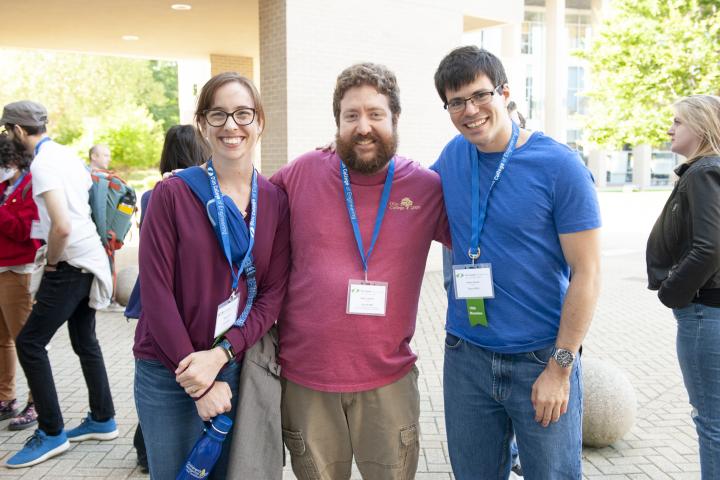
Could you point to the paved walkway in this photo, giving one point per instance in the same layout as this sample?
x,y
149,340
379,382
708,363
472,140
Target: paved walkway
x,y
631,329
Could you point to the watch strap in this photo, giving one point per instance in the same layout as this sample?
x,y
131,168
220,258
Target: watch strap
x,y
227,348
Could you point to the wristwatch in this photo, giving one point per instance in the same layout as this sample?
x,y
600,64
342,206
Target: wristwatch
x,y
564,358
227,348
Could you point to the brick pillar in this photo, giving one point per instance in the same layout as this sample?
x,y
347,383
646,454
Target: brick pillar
x,y
274,84
230,63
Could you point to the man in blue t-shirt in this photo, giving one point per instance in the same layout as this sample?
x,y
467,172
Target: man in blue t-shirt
x,y
523,215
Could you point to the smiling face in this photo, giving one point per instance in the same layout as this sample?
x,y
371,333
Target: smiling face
x,y
487,126
232,142
683,140
366,137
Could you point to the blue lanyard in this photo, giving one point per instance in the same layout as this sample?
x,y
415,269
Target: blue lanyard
x,y
350,203
479,212
246,265
37,147
11,189
17,182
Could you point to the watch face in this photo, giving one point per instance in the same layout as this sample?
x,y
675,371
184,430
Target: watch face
x,y
564,357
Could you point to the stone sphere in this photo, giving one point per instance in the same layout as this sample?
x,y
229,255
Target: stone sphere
x,y
609,403
125,282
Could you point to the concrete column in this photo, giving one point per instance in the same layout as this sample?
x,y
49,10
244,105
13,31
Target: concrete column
x,y
642,156
192,75
598,9
597,164
512,62
555,70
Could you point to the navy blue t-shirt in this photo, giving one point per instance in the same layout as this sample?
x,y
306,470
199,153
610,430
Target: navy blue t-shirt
x,y
544,191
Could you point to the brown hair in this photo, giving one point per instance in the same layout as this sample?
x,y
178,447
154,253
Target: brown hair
x,y
701,113
207,95
372,74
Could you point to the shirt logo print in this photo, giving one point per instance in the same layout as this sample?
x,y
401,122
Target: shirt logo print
x,y
405,204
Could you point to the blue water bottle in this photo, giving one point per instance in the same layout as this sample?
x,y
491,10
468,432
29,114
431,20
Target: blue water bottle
x,y
207,450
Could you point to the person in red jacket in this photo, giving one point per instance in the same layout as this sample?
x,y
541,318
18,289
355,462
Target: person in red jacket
x,y
17,256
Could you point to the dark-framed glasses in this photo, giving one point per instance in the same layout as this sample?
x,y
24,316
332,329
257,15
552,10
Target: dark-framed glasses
x,y
217,118
483,97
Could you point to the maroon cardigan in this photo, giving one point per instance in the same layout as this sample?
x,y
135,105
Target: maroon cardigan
x,y
16,216
184,274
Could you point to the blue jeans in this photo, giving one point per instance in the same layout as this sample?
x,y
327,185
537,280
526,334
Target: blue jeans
x,y
698,350
169,419
487,397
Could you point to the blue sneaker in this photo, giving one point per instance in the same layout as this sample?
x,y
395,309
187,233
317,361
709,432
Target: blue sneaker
x,y
89,429
38,448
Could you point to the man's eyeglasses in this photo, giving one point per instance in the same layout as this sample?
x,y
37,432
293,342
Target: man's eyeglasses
x,y
457,105
218,118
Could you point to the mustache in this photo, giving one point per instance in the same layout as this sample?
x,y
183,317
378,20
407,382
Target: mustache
x,y
369,136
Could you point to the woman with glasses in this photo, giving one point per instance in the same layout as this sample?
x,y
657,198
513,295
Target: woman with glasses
x,y
683,264
183,148
214,257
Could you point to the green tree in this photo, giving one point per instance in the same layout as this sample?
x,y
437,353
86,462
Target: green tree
x,y
96,98
647,55
135,138
166,112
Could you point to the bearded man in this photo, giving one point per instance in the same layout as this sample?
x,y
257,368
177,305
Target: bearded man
x,y
362,221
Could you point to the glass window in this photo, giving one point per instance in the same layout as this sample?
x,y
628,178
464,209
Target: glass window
x,y
576,83
579,31
532,33
529,100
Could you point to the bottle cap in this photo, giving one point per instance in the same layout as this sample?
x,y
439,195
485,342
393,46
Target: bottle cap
x,y
221,424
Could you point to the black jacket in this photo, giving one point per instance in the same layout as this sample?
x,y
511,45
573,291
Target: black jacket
x,y
683,251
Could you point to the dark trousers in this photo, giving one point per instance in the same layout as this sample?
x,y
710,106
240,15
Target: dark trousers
x,y
63,297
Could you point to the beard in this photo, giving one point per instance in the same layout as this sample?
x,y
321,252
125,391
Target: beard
x,y
385,151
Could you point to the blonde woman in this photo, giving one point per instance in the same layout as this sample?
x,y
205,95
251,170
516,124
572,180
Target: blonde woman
x,y
683,263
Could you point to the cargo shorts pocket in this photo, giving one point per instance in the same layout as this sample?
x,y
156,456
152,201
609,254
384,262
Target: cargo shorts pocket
x,y
302,462
409,451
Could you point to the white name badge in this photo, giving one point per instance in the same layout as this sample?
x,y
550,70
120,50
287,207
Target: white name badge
x,y
366,298
36,231
226,315
473,281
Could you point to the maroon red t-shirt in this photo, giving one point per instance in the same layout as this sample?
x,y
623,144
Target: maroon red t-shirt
x,y
184,274
322,347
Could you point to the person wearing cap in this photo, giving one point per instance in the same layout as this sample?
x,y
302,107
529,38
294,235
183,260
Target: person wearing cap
x,y
75,282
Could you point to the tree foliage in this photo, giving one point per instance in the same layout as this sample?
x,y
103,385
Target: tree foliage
x,y
647,55
92,99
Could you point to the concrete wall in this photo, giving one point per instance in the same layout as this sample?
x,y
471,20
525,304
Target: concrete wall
x,y
192,75
320,38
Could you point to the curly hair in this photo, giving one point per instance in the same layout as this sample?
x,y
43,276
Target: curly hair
x,y
12,156
372,74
